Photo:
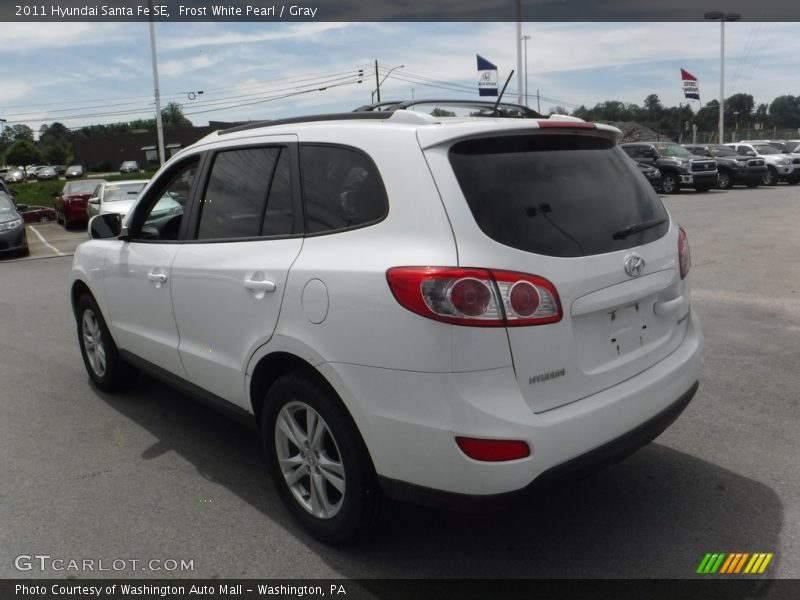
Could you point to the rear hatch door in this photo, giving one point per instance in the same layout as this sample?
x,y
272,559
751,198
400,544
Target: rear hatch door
x,y
565,203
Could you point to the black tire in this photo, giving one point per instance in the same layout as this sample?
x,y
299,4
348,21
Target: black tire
x,y
353,511
793,181
107,370
670,184
724,180
771,178
25,251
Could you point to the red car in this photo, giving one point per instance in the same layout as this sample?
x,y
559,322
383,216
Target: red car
x,y
72,202
36,214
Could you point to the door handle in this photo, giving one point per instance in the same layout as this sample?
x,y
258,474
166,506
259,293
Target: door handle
x,y
157,277
264,285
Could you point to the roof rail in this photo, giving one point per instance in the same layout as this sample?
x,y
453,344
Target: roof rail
x,y
485,108
349,116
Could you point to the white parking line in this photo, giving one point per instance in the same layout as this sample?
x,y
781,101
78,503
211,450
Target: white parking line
x,y
44,241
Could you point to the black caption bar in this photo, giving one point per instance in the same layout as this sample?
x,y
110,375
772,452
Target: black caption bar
x,y
392,10
402,589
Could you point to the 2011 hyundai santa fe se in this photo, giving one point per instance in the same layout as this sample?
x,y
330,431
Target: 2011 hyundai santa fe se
x,y
426,308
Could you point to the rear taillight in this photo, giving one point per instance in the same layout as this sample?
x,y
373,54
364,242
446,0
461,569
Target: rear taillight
x,y
493,450
684,255
475,297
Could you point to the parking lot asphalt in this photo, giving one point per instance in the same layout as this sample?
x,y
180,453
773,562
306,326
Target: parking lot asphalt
x,y
149,474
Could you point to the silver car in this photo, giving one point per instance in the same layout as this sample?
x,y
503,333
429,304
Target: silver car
x,y
15,176
115,196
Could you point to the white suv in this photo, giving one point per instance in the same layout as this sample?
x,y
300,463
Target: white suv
x,y
431,309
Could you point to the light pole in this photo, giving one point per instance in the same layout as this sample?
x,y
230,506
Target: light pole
x,y
525,39
722,17
2,124
157,92
378,89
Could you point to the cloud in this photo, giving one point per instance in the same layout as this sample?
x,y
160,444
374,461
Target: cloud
x,y
12,89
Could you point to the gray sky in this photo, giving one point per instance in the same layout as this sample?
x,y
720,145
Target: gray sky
x,y
85,73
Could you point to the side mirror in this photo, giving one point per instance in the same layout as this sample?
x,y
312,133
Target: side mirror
x,y
13,193
750,153
105,226
94,201
22,207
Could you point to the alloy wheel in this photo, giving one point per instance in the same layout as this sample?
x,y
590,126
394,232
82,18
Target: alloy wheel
x,y
309,459
93,343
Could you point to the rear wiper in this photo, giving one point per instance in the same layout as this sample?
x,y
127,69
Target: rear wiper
x,y
637,227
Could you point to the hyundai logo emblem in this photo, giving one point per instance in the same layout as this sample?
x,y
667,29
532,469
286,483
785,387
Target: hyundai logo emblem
x,y
634,265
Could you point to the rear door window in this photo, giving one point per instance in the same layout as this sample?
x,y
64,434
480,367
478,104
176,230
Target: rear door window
x,y
556,195
342,188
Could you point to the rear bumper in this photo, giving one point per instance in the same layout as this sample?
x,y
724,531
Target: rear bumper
x,y
607,454
75,211
409,421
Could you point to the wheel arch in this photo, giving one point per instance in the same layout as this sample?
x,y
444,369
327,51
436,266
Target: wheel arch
x,y
79,288
270,367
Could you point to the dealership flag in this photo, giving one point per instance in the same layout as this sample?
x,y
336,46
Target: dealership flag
x,y
690,88
487,77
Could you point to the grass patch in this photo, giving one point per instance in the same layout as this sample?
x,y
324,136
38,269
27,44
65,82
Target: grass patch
x,y
38,193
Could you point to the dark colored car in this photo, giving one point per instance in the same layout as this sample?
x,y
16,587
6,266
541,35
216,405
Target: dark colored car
x,y
36,214
129,166
679,167
732,168
74,171
46,173
71,205
13,237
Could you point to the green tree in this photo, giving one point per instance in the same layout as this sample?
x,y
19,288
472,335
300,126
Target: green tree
x,y
20,132
22,152
785,112
56,153
52,134
172,116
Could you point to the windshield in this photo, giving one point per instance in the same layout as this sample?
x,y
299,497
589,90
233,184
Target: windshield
x,y
766,149
721,151
673,150
116,192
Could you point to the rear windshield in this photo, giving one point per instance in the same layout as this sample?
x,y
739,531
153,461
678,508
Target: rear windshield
x,y
556,195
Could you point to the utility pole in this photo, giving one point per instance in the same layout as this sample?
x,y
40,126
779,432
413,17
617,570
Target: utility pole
x,y
525,39
538,105
377,81
159,124
519,51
